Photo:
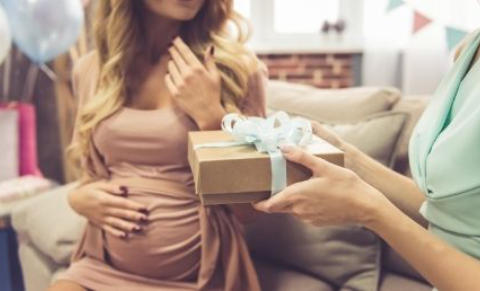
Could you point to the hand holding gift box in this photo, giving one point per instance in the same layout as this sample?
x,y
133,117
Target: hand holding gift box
x,y
243,163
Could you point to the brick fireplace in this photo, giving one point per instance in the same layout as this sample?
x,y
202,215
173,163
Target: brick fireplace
x,y
322,70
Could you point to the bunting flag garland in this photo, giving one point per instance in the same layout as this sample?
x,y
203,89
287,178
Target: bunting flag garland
x,y
454,36
393,4
420,21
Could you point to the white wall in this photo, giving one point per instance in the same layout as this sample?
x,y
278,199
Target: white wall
x,y
414,63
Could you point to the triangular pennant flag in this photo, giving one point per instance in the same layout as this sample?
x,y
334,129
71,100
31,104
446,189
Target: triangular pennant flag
x,y
392,4
420,21
454,36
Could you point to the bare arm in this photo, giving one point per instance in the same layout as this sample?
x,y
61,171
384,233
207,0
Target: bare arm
x,y
442,265
337,196
101,202
400,190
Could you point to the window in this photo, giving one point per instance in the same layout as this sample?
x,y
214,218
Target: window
x,y
243,7
283,24
303,16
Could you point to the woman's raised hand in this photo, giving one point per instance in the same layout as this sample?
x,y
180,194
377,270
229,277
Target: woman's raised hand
x,y
105,205
195,86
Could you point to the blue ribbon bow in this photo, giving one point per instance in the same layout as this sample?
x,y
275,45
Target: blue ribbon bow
x,y
267,134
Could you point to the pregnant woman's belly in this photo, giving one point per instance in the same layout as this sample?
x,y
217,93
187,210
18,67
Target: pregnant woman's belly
x,y
169,246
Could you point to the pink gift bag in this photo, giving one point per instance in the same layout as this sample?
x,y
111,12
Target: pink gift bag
x,y
27,137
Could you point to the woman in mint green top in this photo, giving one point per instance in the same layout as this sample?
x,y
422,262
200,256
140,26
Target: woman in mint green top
x,y
444,195
445,155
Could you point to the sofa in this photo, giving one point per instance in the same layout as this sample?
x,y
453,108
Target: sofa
x,y
378,120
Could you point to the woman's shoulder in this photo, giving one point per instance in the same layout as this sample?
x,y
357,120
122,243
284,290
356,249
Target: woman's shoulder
x,y
464,43
85,75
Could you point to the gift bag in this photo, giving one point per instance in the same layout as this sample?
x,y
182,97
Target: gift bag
x,y
27,137
9,161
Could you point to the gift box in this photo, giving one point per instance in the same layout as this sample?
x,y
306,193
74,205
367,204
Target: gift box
x,y
226,173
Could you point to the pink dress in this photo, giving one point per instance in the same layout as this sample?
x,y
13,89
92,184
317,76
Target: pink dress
x,y
185,246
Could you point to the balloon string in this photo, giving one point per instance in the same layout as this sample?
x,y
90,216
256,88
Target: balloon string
x,y
30,82
50,74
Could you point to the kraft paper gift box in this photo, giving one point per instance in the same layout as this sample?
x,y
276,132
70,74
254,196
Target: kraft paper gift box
x,y
241,174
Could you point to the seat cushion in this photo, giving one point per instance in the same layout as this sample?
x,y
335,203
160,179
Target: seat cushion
x,y
345,256
393,262
392,282
340,105
275,278
37,268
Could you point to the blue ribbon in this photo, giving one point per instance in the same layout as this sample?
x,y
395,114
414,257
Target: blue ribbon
x,y
267,135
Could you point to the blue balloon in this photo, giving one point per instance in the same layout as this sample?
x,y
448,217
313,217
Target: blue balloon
x,y
44,29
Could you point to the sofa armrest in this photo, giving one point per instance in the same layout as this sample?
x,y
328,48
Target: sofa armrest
x,y
49,224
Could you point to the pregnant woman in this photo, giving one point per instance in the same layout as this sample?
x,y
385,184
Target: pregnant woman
x,y
445,161
161,68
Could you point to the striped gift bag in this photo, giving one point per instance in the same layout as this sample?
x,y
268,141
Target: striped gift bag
x,y
9,155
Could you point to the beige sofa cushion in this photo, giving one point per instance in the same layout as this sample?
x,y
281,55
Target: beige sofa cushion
x,y
392,282
340,105
346,257
376,135
37,268
274,277
413,106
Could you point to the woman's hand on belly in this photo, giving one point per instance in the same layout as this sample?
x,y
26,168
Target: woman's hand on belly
x,y
105,205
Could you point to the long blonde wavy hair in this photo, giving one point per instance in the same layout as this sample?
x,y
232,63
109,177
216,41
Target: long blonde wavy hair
x,y
119,36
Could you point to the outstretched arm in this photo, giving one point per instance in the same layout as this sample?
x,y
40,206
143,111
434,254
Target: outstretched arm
x,y
337,195
400,190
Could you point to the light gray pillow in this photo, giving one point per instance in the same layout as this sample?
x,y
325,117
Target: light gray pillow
x,y
339,105
348,257
377,135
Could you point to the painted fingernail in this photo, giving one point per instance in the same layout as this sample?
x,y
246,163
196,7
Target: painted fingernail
x,y
124,190
145,211
123,235
286,148
143,219
136,228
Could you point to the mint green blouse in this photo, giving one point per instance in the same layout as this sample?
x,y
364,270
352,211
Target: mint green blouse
x,y
445,154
